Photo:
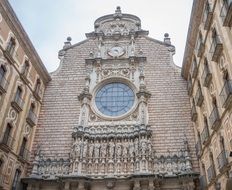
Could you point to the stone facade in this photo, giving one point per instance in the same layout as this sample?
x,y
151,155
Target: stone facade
x,y
207,67
22,83
149,146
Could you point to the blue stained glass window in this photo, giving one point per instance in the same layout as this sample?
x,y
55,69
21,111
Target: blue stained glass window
x,y
114,99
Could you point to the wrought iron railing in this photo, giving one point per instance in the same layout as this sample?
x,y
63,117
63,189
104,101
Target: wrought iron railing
x,y
222,160
208,15
7,140
216,48
203,182
214,118
226,93
211,173
24,153
205,134
18,103
206,76
31,118
3,84
226,13
199,97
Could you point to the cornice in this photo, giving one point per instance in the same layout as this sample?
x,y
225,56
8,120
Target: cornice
x,y
23,39
195,20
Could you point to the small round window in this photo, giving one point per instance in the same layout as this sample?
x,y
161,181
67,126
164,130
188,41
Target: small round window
x,y
114,99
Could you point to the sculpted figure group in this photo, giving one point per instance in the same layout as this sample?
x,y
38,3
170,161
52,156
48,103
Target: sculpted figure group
x,y
111,148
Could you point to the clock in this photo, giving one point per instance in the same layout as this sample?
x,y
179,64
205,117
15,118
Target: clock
x,y
116,51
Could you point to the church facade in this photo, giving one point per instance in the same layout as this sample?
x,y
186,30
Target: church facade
x,y
116,115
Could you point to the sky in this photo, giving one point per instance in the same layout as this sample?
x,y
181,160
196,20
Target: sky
x,y
49,22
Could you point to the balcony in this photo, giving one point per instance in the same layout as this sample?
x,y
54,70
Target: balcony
x,y
222,161
3,84
203,182
208,15
8,53
24,154
205,135
206,76
194,69
25,77
7,142
216,49
226,13
199,98
214,118
194,113
190,87
226,94
200,49
31,118
211,173
38,94
198,148
17,103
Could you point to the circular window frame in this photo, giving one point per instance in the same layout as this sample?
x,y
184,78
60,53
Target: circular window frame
x,y
101,85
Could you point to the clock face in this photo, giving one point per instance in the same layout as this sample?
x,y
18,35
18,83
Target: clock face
x,y
114,99
116,51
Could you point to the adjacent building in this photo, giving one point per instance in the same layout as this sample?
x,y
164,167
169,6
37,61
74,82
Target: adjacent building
x,y
116,115
207,68
23,79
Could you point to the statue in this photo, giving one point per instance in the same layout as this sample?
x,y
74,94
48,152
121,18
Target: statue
x,y
136,147
118,149
97,148
125,148
84,148
77,147
143,144
91,148
104,149
111,148
131,148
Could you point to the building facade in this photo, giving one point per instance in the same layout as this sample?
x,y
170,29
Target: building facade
x,y
22,83
116,115
208,69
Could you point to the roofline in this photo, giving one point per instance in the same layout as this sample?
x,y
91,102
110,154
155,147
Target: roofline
x,y
24,40
195,20
112,16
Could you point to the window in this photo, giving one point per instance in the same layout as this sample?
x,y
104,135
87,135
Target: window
x,y
16,179
211,170
114,99
18,94
25,68
11,46
37,86
6,137
2,73
23,148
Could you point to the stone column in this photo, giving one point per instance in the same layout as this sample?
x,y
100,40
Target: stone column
x,y
151,185
67,185
81,185
136,185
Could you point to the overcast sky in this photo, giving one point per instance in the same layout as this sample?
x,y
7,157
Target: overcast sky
x,y
49,22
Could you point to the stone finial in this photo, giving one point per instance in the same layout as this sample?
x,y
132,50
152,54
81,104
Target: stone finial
x,y
167,40
68,42
118,10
